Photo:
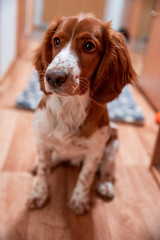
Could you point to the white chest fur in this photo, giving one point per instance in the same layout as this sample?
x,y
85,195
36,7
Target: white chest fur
x,y
62,116
57,126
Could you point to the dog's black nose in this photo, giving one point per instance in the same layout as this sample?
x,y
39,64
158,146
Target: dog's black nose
x,y
56,77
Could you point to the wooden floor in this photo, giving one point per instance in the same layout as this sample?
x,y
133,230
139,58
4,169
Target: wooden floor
x,y
134,214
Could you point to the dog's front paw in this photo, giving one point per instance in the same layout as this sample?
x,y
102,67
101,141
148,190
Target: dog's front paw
x,y
79,205
105,190
38,196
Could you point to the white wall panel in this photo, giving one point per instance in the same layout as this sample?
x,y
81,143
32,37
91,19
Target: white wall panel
x,y
113,12
8,33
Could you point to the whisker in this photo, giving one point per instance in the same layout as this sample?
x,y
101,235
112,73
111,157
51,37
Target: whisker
x,y
84,78
45,62
85,85
82,81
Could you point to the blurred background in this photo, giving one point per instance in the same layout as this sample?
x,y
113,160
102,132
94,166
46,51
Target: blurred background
x,y
23,20
134,213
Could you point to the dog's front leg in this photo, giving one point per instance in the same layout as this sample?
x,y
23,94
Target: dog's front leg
x,y
105,187
79,201
40,189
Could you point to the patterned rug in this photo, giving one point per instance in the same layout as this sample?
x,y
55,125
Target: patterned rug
x,y
122,109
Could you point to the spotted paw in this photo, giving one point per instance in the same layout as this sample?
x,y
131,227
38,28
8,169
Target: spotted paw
x,y
105,190
79,206
35,202
38,197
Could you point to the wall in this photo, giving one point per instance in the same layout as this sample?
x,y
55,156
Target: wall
x,y
150,79
72,7
113,11
8,27
145,18
127,14
38,12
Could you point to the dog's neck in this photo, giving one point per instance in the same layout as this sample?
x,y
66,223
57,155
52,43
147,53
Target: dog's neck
x,y
69,112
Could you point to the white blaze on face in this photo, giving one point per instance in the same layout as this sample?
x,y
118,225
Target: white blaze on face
x,y
67,61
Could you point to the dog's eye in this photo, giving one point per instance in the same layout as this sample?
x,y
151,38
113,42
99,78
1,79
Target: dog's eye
x,y
56,42
89,47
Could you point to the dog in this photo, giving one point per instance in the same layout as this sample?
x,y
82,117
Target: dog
x,y
82,64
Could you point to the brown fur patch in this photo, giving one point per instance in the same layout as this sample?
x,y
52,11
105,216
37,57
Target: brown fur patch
x,y
97,118
113,134
115,69
43,101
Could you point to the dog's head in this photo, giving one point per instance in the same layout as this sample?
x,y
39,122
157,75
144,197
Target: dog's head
x,y
83,53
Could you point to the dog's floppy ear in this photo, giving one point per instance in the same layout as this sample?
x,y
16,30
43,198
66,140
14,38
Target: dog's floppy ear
x,y
43,55
115,69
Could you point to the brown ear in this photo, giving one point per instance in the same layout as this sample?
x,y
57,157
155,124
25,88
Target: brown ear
x,y
115,69
43,55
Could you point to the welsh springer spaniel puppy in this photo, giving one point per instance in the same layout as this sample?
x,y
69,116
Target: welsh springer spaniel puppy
x,y
82,64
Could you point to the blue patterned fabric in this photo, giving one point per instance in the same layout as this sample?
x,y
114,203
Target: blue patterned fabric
x,y
31,96
123,109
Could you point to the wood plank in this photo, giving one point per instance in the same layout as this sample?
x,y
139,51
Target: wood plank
x,y
51,221
147,133
136,154
7,125
101,227
123,214
13,217
147,199
17,80
39,224
21,153
81,227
